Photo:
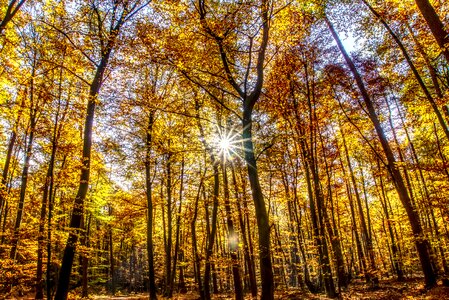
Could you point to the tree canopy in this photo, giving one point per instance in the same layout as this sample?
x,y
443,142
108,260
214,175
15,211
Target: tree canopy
x,y
202,148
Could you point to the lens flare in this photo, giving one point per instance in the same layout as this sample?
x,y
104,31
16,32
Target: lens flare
x,y
228,143
224,144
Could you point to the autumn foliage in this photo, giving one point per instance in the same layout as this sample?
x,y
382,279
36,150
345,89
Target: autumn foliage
x,y
265,149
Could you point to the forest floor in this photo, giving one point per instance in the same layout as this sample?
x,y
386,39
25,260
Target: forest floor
x,y
388,290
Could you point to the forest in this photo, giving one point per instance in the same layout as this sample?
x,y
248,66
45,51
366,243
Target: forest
x,y
224,149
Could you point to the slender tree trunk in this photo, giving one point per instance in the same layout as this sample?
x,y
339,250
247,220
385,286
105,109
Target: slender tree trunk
x,y
85,259
3,221
360,254
413,68
178,227
213,232
294,258
83,187
394,249
196,257
12,141
51,273
149,195
11,10
110,243
313,211
440,151
25,170
181,257
169,242
232,237
323,249
246,236
333,231
47,195
430,67
40,249
369,273
422,244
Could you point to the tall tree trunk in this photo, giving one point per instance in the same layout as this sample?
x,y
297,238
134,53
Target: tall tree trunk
x,y
369,273
195,255
26,166
51,273
247,246
110,243
332,229
85,259
48,190
318,235
322,244
169,242
435,25
360,253
9,153
294,257
149,195
216,190
422,244
213,233
413,68
178,226
432,71
394,248
232,236
249,99
83,187
263,225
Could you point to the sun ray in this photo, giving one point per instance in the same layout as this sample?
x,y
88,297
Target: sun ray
x,y
229,143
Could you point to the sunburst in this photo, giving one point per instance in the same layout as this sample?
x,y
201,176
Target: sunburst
x,y
228,143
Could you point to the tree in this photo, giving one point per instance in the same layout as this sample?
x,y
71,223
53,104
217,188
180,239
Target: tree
x,y
249,97
422,244
420,81
108,29
435,25
11,10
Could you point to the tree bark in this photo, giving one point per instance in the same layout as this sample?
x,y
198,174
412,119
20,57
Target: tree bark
x,y
232,236
178,227
13,8
195,255
435,25
169,235
26,166
249,99
149,195
216,190
247,246
263,225
332,229
47,191
9,154
394,248
84,258
83,187
421,243
418,78
371,271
